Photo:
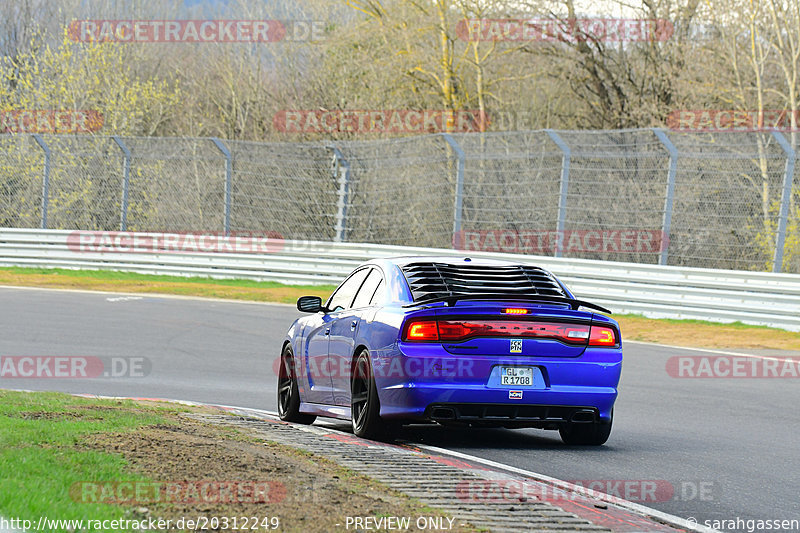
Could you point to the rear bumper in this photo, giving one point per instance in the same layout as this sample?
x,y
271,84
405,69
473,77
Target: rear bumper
x,y
479,406
461,383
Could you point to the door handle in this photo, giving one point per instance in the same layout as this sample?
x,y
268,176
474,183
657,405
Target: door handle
x,y
353,325
328,331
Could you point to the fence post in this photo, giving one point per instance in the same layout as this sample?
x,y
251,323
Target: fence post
x,y
340,170
126,176
458,208
666,224
228,177
783,215
45,178
562,201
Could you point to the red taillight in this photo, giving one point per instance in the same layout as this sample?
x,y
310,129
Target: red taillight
x,y
425,330
602,336
456,330
463,329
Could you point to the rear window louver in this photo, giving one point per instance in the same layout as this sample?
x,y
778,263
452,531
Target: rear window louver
x,y
436,280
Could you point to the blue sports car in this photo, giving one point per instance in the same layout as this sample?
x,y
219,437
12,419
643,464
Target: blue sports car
x,y
455,341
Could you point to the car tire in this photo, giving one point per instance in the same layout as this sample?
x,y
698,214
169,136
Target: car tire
x,y
593,434
289,392
365,406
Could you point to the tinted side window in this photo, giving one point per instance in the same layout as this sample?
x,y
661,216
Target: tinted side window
x,y
343,296
364,296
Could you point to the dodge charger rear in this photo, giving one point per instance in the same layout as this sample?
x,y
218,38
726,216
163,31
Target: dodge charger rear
x,y
462,342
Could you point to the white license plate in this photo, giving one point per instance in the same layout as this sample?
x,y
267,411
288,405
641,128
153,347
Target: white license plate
x,y
518,376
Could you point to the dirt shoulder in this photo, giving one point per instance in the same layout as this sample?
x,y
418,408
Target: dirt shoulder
x,y
88,464
297,490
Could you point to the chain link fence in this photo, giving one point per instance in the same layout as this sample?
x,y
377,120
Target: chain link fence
x,y
715,200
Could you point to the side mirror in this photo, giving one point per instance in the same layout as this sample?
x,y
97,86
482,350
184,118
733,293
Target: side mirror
x,y
309,304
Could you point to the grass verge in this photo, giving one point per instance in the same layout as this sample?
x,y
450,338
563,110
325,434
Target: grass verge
x,y
693,333
64,458
40,458
702,334
108,280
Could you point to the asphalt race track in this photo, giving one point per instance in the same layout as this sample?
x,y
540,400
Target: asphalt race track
x,y
728,447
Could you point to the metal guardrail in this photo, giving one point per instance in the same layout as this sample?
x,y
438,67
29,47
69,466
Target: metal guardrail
x,y
709,200
652,290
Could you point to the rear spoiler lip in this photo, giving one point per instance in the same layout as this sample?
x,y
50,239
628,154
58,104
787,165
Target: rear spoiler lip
x,y
451,300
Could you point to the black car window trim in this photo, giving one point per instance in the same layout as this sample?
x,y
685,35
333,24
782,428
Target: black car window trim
x,y
353,274
369,302
380,287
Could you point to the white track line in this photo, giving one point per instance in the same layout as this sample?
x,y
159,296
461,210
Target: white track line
x,y
631,506
708,350
250,302
625,504
148,295
641,509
